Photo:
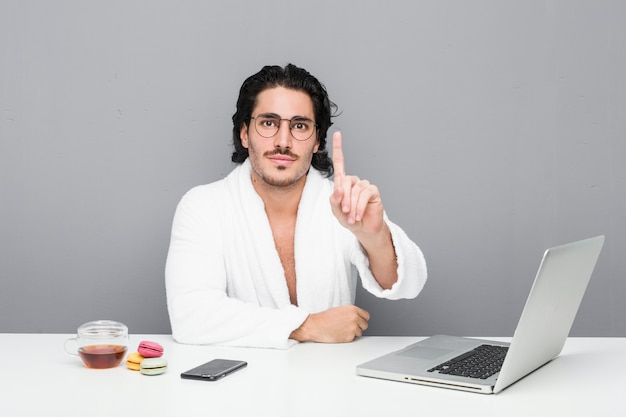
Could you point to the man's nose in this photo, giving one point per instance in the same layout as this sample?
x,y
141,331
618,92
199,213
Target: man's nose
x,y
283,137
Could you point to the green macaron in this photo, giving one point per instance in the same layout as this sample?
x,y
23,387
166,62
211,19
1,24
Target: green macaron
x,y
153,366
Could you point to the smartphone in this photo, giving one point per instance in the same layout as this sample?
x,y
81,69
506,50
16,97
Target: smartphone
x,y
214,369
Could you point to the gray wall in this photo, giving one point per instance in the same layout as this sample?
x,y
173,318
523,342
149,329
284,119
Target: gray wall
x,y
494,129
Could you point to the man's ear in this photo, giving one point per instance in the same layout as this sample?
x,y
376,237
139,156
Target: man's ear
x,y
243,135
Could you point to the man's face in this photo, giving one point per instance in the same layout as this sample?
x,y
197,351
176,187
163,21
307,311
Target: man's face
x,y
280,161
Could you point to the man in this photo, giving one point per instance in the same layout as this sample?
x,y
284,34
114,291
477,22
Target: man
x,y
270,255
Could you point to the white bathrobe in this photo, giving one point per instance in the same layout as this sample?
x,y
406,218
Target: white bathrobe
x,y
224,279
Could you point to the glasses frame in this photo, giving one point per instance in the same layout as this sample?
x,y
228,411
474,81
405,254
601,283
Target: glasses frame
x,y
279,119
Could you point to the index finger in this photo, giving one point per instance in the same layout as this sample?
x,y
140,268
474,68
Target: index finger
x,y
338,161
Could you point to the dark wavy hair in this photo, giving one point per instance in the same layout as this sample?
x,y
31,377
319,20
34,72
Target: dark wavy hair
x,y
293,78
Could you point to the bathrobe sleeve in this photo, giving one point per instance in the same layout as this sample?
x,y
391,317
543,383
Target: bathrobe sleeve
x,y
200,310
412,271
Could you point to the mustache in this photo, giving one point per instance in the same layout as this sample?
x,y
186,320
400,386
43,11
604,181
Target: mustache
x,y
281,152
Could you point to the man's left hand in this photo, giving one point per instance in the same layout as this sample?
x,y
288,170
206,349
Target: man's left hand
x,y
355,202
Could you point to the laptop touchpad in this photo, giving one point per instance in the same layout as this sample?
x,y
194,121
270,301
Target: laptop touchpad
x,y
423,352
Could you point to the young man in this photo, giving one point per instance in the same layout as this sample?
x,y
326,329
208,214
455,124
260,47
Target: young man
x,y
270,255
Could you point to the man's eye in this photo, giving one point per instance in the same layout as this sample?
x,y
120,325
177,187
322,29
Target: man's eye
x,y
301,125
269,123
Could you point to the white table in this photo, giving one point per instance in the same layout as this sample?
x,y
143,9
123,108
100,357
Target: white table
x,y
37,378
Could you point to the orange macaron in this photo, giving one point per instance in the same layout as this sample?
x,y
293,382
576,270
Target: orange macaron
x,y
133,361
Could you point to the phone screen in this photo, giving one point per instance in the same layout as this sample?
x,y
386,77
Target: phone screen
x,y
214,369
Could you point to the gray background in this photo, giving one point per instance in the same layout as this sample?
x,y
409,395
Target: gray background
x,y
493,128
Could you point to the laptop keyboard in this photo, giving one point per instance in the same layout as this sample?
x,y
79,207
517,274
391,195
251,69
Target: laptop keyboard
x,y
482,362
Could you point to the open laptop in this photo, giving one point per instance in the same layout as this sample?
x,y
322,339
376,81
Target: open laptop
x,y
447,361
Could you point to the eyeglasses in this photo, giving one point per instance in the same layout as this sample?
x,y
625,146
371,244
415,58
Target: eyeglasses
x,y
268,125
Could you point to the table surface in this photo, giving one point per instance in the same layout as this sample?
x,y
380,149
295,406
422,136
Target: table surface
x,y
37,377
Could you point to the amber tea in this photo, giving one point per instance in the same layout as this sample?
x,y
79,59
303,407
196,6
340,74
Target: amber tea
x,y
102,356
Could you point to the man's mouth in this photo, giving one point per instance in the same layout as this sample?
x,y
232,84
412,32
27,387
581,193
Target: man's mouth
x,y
280,158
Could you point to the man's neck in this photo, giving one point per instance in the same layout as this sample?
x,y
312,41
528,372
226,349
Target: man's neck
x,y
279,200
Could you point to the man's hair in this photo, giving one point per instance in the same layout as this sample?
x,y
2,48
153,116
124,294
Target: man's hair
x,y
293,78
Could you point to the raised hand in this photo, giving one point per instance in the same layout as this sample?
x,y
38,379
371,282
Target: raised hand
x,y
355,202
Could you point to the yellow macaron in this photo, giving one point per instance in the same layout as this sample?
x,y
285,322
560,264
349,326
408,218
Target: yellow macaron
x,y
133,361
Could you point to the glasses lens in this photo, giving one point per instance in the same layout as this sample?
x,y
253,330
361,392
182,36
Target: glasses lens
x,y
301,129
267,126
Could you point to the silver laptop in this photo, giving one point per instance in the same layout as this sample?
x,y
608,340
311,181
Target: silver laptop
x,y
451,362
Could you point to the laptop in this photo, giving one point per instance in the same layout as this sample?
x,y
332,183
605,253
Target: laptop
x,y
450,362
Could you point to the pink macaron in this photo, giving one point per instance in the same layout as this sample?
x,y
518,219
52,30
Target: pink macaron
x,y
149,349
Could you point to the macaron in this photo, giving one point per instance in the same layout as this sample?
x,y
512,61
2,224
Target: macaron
x,y
153,366
133,361
149,349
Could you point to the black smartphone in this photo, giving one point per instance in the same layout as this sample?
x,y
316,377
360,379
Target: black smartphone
x,y
214,369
